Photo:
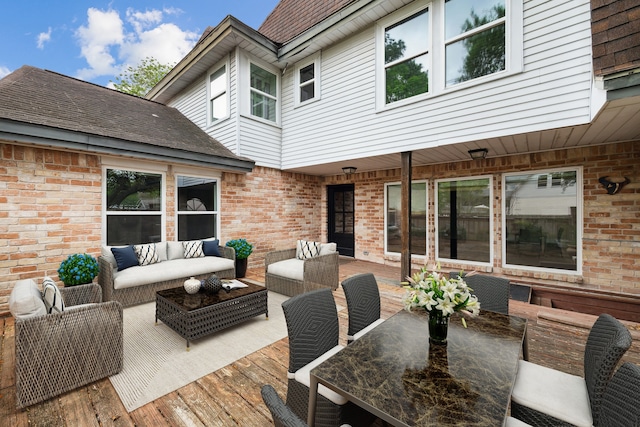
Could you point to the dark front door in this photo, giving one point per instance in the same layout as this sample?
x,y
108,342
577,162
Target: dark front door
x,y
342,217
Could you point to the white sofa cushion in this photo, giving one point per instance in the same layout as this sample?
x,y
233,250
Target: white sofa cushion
x,y
169,270
147,253
174,251
302,375
292,268
193,249
552,392
26,300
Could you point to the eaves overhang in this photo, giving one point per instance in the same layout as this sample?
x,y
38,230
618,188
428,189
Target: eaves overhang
x,y
44,136
211,49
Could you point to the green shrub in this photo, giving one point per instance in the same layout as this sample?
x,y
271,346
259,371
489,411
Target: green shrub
x,y
78,269
242,247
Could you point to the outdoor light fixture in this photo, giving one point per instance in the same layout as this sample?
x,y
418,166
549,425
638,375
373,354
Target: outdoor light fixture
x,y
478,153
349,170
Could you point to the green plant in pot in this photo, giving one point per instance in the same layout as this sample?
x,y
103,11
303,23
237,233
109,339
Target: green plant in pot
x,y
243,250
78,269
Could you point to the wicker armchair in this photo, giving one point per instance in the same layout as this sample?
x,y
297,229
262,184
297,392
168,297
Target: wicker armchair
x,y
363,304
620,402
319,272
59,352
282,415
492,292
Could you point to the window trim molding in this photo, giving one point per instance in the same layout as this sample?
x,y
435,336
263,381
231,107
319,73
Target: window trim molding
x,y
514,51
217,177
316,60
225,62
579,221
135,167
491,222
386,252
245,88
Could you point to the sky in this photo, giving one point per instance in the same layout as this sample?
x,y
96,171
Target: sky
x,y
97,40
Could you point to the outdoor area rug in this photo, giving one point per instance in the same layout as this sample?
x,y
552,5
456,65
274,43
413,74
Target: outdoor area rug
x,y
156,361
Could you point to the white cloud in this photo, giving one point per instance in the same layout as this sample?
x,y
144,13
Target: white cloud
x,y
110,45
4,71
44,38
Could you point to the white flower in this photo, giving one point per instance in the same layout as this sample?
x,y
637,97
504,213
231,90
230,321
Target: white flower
x,y
446,306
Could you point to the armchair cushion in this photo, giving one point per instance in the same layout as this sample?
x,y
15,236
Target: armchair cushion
x,y
290,268
305,249
51,296
328,248
26,300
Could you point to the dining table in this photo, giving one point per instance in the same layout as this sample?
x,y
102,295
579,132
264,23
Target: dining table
x,y
396,374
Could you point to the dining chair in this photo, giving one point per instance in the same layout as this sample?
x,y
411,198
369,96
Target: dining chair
x,y
620,406
492,292
363,304
543,396
312,326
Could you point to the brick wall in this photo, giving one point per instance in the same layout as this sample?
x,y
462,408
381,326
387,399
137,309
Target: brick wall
x,y
611,239
615,28
50,207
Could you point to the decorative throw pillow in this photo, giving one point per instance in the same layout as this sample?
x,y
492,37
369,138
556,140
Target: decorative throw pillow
x,y
193,249
305,249
51,296
146,254
125,257
210,247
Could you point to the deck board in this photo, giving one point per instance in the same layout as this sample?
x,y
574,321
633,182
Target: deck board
x,y
231,395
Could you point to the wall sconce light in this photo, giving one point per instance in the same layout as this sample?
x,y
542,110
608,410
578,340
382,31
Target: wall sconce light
x,y
349,170
478,153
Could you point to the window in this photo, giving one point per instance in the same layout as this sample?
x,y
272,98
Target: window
x,y
541,219
197,207
428,48
134,212
307,80
464,222
263,93
418,221
218,98
475,44
406,57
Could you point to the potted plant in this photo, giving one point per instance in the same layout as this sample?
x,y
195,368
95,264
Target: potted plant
x,y
78,269
243,250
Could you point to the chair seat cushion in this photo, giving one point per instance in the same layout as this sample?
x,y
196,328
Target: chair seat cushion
x,y
552,392
302,375
367,329
292,268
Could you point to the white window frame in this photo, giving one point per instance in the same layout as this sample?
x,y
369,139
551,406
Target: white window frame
x,y
245,88
226,92
316,61
137,166
421,258
513,50
491,226
191,173
579,220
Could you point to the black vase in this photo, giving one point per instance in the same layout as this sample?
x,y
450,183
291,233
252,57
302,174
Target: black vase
x,y
241,267
212,285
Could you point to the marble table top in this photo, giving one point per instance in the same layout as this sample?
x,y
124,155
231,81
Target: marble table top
x,y
395,373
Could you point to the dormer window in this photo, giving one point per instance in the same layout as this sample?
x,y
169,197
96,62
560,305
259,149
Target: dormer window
x,y
264,93
307,80
218,91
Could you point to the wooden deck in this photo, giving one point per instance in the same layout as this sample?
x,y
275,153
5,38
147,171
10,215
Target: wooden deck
x,y
231,395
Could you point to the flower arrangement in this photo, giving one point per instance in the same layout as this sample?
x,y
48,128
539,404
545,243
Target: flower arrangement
x,y
242,247
436,293
78,269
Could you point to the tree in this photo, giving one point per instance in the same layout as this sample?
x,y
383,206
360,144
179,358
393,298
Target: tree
x,y
141,79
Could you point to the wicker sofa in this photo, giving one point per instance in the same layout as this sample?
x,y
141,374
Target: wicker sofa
x,y
288,275
139,284
59,352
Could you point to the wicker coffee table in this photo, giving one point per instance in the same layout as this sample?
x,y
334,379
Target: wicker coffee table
x,y
201,314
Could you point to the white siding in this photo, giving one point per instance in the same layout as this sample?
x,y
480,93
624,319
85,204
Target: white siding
x,y
552,91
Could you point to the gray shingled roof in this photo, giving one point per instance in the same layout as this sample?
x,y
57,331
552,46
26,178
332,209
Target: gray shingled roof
x,y
291,18
108,119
